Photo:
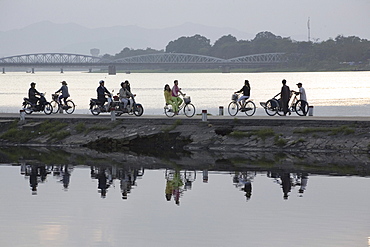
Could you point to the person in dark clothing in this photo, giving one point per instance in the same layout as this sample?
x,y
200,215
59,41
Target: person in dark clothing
x,y
101,90
285,97
32,92
246,89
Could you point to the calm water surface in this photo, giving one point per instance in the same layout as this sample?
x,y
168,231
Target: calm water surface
x,y
82,206
331,93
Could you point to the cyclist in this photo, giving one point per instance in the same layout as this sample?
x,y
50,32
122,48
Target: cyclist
x,y
65,94
246,89
168,96
175,96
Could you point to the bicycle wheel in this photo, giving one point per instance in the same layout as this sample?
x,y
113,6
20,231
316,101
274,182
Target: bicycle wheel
x,y
301,108
271,107
138,110
95,110
48,109
56,106
189,110
233,108
168,110
250,108
70,107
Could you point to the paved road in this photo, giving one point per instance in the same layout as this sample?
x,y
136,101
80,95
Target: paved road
x,y
163,117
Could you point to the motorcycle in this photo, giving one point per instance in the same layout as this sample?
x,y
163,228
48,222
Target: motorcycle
x,y
136,109
42,105
96,107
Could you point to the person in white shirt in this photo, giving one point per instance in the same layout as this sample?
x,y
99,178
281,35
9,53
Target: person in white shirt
x,y
301,92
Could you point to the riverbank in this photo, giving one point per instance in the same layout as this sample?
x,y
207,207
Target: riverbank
x,y
293,134
317,145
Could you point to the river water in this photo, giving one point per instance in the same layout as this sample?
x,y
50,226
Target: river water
x,y
91,206
331,93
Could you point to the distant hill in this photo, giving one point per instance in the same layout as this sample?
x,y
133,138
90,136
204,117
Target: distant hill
x,y
72,38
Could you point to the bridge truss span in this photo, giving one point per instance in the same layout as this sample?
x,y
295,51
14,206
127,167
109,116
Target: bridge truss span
x,y
265,58
49,59
169,58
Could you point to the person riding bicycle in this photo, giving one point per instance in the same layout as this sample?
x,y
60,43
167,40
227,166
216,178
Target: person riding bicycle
x,y
64,91
175,96
246,89
168,96
102,90
125,96
32,92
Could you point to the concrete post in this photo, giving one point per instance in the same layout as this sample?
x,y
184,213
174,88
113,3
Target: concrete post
x,y
220,110
204,115
22,116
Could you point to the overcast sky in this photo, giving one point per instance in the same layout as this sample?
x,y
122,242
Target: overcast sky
x,y
328,18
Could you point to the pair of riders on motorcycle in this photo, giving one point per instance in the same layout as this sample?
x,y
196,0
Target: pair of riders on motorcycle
x,y
125,95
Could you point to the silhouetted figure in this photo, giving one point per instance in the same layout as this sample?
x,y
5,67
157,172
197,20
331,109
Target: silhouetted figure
x,y
285,97
65,177
33,179
102,183
286,184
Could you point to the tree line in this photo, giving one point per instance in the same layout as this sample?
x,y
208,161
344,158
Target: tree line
x,y
340,53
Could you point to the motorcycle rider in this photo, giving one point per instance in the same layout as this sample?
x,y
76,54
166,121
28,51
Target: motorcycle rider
x,y
32,92
102,90
125,96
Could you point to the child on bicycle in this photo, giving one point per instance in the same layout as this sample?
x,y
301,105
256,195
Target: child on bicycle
x,y
246,89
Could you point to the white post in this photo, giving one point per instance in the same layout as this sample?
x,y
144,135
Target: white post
x,y
204,115
22,116
113,115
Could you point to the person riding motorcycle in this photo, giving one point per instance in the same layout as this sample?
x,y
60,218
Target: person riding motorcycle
x,y
101,90
32,92
125,96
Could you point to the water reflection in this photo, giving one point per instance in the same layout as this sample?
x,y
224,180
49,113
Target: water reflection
x,y
177,181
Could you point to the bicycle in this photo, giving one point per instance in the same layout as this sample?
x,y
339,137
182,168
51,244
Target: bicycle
x,y
273,106
248,107
68,108
187,106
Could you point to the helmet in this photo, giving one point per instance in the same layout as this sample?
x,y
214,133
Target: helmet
x,y
100,82
33,84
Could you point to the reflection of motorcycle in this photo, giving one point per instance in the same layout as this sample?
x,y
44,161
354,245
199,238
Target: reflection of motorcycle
x,y
96,107
42,105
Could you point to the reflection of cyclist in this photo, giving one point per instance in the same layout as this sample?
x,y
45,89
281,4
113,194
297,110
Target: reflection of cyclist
x,y
246,89
175,96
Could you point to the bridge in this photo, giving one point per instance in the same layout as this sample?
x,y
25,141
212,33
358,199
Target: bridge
x,y
64,60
